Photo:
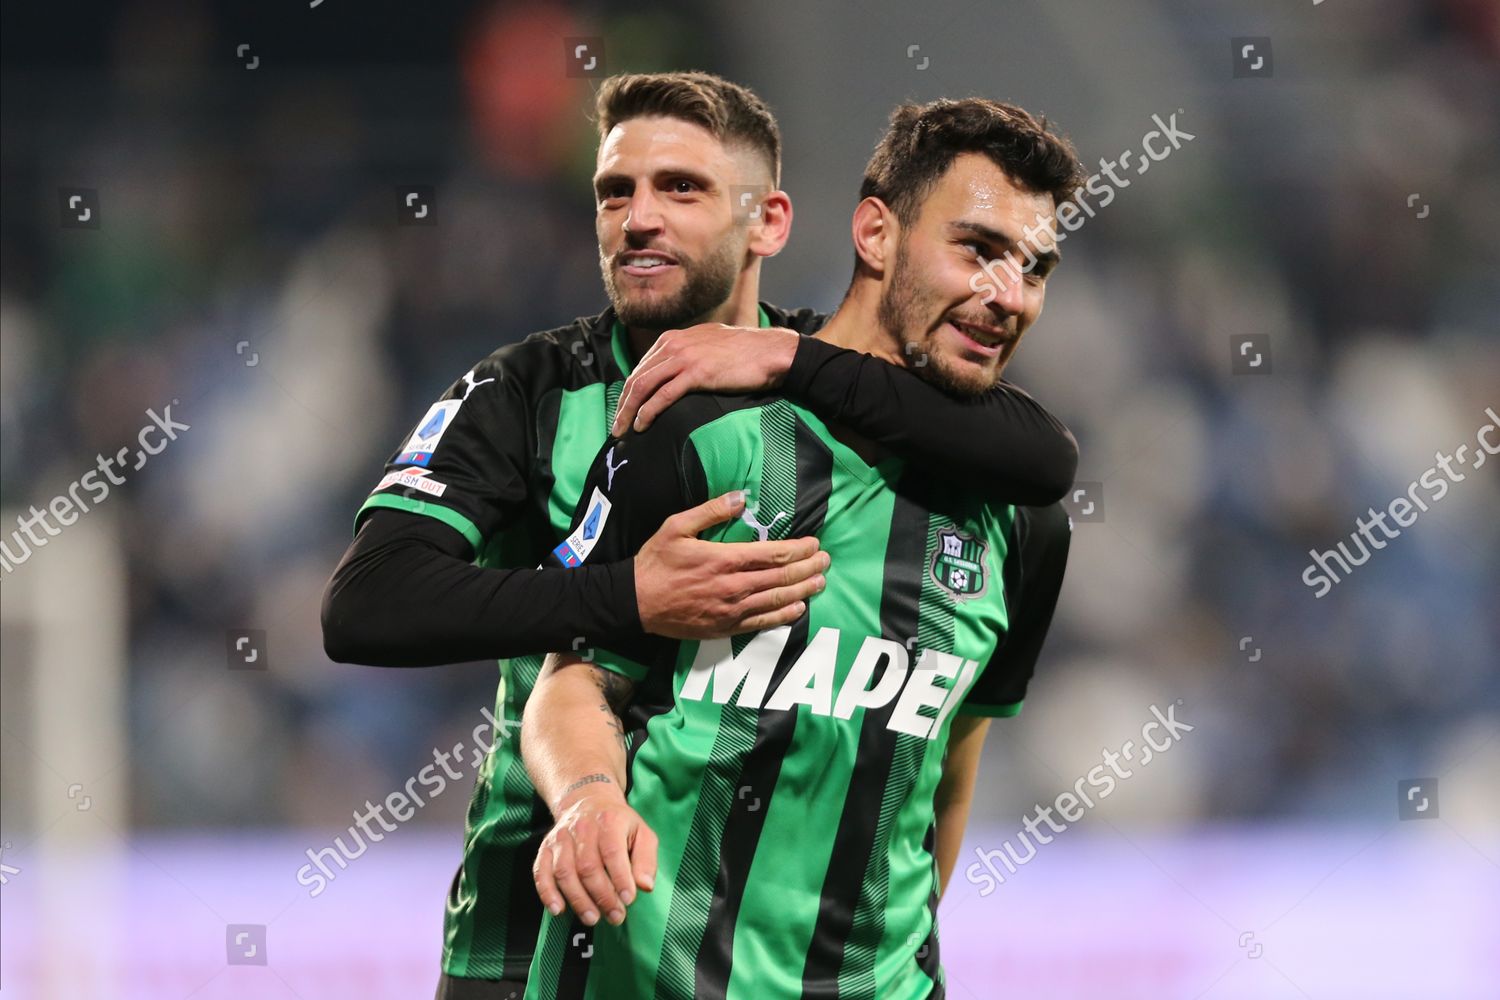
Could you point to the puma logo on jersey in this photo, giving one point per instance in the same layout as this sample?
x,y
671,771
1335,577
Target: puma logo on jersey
x,y
611,468
911,684
470,385
761,530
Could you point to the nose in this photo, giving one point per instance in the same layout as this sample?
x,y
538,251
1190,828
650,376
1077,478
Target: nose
x,y
644,216
1008,282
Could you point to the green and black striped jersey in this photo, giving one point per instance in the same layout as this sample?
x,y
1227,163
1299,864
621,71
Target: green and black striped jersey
x,y
502,459
790,774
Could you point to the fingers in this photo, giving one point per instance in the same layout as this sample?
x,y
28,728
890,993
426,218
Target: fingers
x,y
651,407
743,556
777,596
594,876
773,619
694,520
782,597
595,864
546,883
615,853
643,857
771,588
581,864
561,849
779,605
639,387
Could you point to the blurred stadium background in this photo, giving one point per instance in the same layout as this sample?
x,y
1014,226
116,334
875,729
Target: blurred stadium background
x,y
248,268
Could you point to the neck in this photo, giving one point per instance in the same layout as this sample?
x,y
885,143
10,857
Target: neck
x,y
856,325
742,308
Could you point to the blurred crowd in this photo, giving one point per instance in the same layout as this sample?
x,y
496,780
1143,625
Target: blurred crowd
x,y
250,263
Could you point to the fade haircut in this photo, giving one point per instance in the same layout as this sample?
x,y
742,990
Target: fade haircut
x,y
731,113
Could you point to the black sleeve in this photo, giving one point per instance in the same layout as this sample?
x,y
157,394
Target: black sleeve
x,y
406,595
465,461
1033,577
635,483
1004,444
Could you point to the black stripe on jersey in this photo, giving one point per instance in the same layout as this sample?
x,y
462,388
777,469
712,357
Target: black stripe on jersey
x,y
773,737
936,628
548,412
927,954
504,923
524,919
573,977
900,602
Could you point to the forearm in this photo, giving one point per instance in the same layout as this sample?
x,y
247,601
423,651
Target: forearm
x,y
955,792
952,819
572,740
1006,445
402,596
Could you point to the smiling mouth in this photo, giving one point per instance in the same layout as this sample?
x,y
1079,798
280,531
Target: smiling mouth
x,y
984,340
646,263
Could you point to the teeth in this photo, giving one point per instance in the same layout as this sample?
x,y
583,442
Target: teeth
x,y
647,262
974,334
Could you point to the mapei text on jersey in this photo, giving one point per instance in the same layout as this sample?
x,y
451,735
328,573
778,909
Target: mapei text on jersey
x,y
811,680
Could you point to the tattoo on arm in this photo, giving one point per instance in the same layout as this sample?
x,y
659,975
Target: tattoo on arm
x,y
589,780
615,689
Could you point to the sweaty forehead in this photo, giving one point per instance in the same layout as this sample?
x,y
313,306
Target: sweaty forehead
x,y
639,141
975,189
651,143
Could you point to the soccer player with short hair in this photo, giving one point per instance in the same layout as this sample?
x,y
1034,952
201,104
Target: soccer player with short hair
x,y
792,802
443,565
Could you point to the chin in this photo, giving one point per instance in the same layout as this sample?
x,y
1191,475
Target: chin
x,y
962,378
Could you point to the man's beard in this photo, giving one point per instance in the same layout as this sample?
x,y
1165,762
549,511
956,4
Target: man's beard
x,y
904,308
707,287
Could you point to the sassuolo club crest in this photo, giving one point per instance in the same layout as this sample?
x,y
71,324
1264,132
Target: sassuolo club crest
x,y
958,564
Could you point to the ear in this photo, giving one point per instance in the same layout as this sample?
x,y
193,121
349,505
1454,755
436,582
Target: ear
x,y
770,234
875,232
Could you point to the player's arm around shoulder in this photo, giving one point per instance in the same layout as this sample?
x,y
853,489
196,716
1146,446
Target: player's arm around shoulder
x,y
1004,443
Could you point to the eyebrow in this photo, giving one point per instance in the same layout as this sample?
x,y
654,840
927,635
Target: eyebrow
x,y
1046,260
697,176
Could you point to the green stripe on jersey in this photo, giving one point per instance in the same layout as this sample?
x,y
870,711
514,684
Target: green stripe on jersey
x,y
492,915
790,775
492,911
447,515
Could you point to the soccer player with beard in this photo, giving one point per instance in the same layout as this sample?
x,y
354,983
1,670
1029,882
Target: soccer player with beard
x,y
780,812
441,569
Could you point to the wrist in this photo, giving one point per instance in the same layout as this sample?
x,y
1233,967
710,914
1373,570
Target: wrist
x,y
781,354
809,355
598,786
624,594
640,595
